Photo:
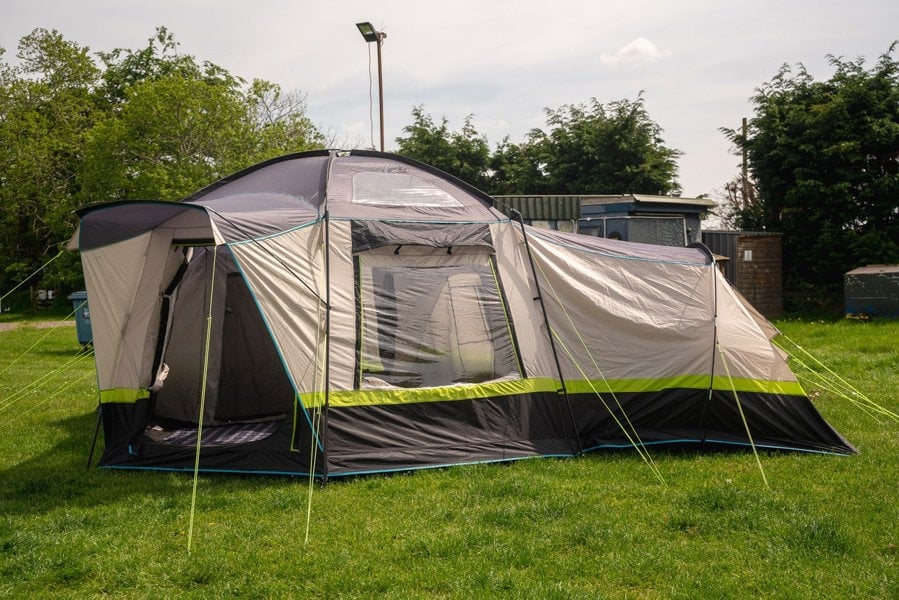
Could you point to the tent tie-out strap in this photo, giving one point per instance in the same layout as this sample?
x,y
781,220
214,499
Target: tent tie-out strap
x,y
27,279
193,498
733,388
848,392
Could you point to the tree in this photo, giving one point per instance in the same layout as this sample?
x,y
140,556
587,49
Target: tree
x,y
279,121
463,153
518,169
594,149
172,136
176,125
825,156
150,123
46,109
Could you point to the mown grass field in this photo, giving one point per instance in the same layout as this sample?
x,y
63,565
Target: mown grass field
x,y
598,526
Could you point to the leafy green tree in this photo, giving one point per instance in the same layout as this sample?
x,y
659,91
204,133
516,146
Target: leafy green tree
x,y
171,136
123,67
176,125
46,109
463,153
518,169
593,149
150,123
279,121
825,157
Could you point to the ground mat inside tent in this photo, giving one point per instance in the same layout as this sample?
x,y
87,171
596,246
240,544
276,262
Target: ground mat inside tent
x,y
218,435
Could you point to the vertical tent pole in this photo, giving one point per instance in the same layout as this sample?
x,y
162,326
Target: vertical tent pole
x,y
326,219
552,344
193,498
714,279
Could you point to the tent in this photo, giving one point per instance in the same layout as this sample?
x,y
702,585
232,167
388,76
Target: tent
x,y
332,313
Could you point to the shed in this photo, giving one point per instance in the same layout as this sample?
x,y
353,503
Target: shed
x,y
872,290
664,220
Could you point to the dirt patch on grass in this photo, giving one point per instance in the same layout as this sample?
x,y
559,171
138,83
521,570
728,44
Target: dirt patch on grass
x,y
37,325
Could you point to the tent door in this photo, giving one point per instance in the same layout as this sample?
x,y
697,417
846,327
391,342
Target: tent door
x,y
252,381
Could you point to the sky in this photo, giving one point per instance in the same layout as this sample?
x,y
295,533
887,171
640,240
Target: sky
x,y
697,63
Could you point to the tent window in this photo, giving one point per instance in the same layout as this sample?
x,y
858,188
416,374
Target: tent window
x,y
399,189
432,326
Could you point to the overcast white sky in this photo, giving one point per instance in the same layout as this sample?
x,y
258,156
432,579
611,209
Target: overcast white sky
x,y
697,61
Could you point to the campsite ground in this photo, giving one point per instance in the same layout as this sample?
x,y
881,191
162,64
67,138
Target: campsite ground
x,y
596,526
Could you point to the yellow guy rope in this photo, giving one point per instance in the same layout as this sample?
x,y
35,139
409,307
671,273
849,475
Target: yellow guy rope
x,y
848,393
315,422
742,415
12,399
58,392
318,384
639,446
193,498
34,345
38,270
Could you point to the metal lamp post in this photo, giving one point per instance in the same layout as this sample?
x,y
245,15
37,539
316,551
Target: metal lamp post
x,y
370,34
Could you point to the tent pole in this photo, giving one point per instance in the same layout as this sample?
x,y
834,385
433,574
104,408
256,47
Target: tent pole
x,y
552,344
708,400
327,373
90,455
326,221
205,380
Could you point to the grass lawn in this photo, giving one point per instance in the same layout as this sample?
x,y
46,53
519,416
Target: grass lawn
x,y
598,526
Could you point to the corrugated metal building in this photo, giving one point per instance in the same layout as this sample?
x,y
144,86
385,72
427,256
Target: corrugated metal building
x,y
549,212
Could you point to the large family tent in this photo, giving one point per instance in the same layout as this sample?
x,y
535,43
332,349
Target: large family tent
x,y
333,313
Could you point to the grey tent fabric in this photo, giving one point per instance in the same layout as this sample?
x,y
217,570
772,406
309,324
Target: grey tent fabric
x,y
378,315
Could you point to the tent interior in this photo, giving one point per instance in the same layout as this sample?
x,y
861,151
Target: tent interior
x,y
247,388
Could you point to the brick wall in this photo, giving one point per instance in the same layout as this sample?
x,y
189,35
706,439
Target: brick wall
x,y
759,271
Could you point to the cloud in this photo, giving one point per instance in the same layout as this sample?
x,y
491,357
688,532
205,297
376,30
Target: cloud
x,y
639,51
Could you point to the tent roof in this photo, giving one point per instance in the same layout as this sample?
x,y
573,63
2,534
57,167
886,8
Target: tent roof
x,y
292,191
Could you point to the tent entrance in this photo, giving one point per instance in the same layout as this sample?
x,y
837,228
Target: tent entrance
x,y
246,382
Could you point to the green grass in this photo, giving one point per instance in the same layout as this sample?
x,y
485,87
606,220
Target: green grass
x,y
598,526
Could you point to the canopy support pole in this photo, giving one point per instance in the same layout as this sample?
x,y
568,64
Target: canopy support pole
x,y
90,455
193,498
708,400
552,344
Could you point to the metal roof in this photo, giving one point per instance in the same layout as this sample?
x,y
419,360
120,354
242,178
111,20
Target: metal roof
x,y
646,199
874,269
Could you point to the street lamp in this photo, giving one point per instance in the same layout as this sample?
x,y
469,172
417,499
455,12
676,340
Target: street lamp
x,y
370,34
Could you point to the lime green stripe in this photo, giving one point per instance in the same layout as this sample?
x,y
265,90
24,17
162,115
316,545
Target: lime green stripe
x,y
123,395
437,394
343,398
690,382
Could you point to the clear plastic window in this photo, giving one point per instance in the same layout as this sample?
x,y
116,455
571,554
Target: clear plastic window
x,y
399,189
432,326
